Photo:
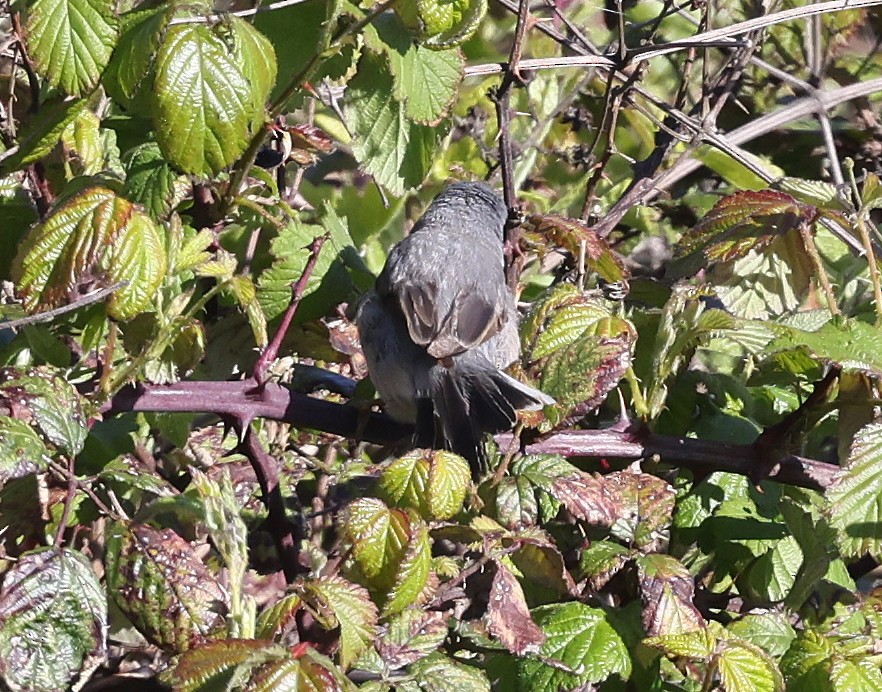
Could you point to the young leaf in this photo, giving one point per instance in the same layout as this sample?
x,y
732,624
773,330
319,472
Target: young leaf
x,y
379,538
434,483
745,667
70,41
162,587
582,639
94,236
413,571
347,606
441,24
53,621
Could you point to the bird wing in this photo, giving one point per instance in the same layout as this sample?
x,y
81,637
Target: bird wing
x,y
470,320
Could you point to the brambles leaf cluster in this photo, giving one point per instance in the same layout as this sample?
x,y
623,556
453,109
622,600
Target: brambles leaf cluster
x,y
196,484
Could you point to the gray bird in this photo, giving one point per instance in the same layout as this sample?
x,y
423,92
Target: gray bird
x,y
442,323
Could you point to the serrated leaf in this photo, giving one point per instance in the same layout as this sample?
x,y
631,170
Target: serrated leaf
x,y
772,576
434,483
440,24
667,591
508,618
601,561
696,645
540,561
44,131
846,342
53,621
162,587
645,507
130,73
772,632
208,103
571,234
92,237
742,222
581,638
871,193
744,667
425,81
379,537
70,41
413,634
83,141
22,452
244,290
816,192
854,676
854,503
397,152
514,501
152,182
353,611
54,405
413,571
439,672
277,617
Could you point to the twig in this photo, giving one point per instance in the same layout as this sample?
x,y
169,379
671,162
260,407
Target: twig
x,y
245,400
285,533
50,315
68,504
271,351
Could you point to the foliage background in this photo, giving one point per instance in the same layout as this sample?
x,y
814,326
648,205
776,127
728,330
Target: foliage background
x,y
697,192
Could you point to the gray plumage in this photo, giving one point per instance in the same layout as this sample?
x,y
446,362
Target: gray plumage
x,y
442,323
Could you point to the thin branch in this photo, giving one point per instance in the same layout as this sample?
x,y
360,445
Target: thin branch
x,y
50,315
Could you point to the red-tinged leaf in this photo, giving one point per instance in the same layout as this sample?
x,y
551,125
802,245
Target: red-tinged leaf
x,y
163,588
310,138
586,497
667,590
644,507
570,234
53,621
508,618
412,635
278,618
540,561
741,222
92,240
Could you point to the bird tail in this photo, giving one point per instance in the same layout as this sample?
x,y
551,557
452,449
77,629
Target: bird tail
x,y
472,398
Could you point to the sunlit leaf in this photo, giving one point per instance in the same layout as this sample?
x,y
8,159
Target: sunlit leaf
x,y
434,483
347,606
508,618
53,621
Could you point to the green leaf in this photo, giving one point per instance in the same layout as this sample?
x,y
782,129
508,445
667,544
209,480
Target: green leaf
x,y
387,144
434,483
53,621
601,561
291,250
515,503
441,673
440,24
744,667
413,571
242,287
855,676
205,103
70,41
22,452
573,235
349,607
92,236
854,503
162,587
846,342
697,645
379,537
278,617
130,74
772,632
426,81
54,405
152,182
44,131
582,639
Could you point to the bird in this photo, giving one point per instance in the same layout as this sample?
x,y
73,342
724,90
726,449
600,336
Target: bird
x,y
441,324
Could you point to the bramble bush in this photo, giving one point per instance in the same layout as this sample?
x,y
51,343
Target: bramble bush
x,y
196,485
